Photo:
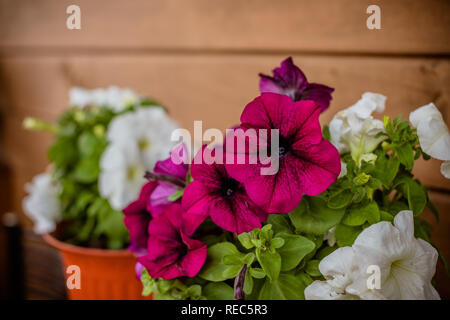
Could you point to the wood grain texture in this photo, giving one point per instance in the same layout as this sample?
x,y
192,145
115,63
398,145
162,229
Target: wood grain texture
x,y
43,268
408,26
214,89
440,239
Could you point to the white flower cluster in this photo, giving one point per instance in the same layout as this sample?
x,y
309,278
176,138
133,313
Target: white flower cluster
x,y
113,97
42,204
405,264
354,129
136,141
434,137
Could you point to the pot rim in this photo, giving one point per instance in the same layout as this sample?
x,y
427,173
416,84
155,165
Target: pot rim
x,y
67,247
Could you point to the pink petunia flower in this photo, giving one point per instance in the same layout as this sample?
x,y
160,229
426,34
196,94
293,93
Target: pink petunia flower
x,y
215,194
288,79
308,163
171,252
137,218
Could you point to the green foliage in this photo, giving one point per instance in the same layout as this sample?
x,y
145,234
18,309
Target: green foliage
x,y
295,248
285,287
314,216
75,155
223,262
174,289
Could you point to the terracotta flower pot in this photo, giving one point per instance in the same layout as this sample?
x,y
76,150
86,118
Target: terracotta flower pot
x,y
104,274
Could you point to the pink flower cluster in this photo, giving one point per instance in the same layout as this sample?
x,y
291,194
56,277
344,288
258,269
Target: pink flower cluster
x,y
236,197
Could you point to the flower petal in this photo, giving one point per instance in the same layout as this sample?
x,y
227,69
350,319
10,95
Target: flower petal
x,y
424,112
434,137
445,169
317,166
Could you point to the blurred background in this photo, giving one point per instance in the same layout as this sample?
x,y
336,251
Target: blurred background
x,y
201,59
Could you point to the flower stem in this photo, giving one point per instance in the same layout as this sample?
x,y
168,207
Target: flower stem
x,y
151,176
39,125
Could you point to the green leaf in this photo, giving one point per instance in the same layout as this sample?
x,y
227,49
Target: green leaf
x,y
326,133
314,216
345,235
280,223
325,251
276,243
89,144
386,216
266,233
405,155
340,199
385,168
312,268
295,248
214,269
286,287
249,258
87,170
257,273
148,283
270,262
248,283
422,229
218,291
63,152
194,291
358,215
413,192
246,240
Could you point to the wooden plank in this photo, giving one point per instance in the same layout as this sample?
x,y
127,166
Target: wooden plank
x,y
44,272
212,88
407,26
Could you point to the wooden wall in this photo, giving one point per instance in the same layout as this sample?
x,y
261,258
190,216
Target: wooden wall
x,y
201,59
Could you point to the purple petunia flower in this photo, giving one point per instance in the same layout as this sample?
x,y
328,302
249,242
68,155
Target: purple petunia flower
x,y
307,163
137,218
170,175
215,194
288,79
171,252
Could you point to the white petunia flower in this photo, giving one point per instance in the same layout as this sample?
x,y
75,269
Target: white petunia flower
x,y
42,204
121,174
433,134
150,128
406,265
354,129
137,140
114,98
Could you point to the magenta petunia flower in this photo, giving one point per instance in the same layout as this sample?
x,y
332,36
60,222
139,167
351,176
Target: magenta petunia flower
x,y
288,79
137,218
215,194
308,163
170,175
171,252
